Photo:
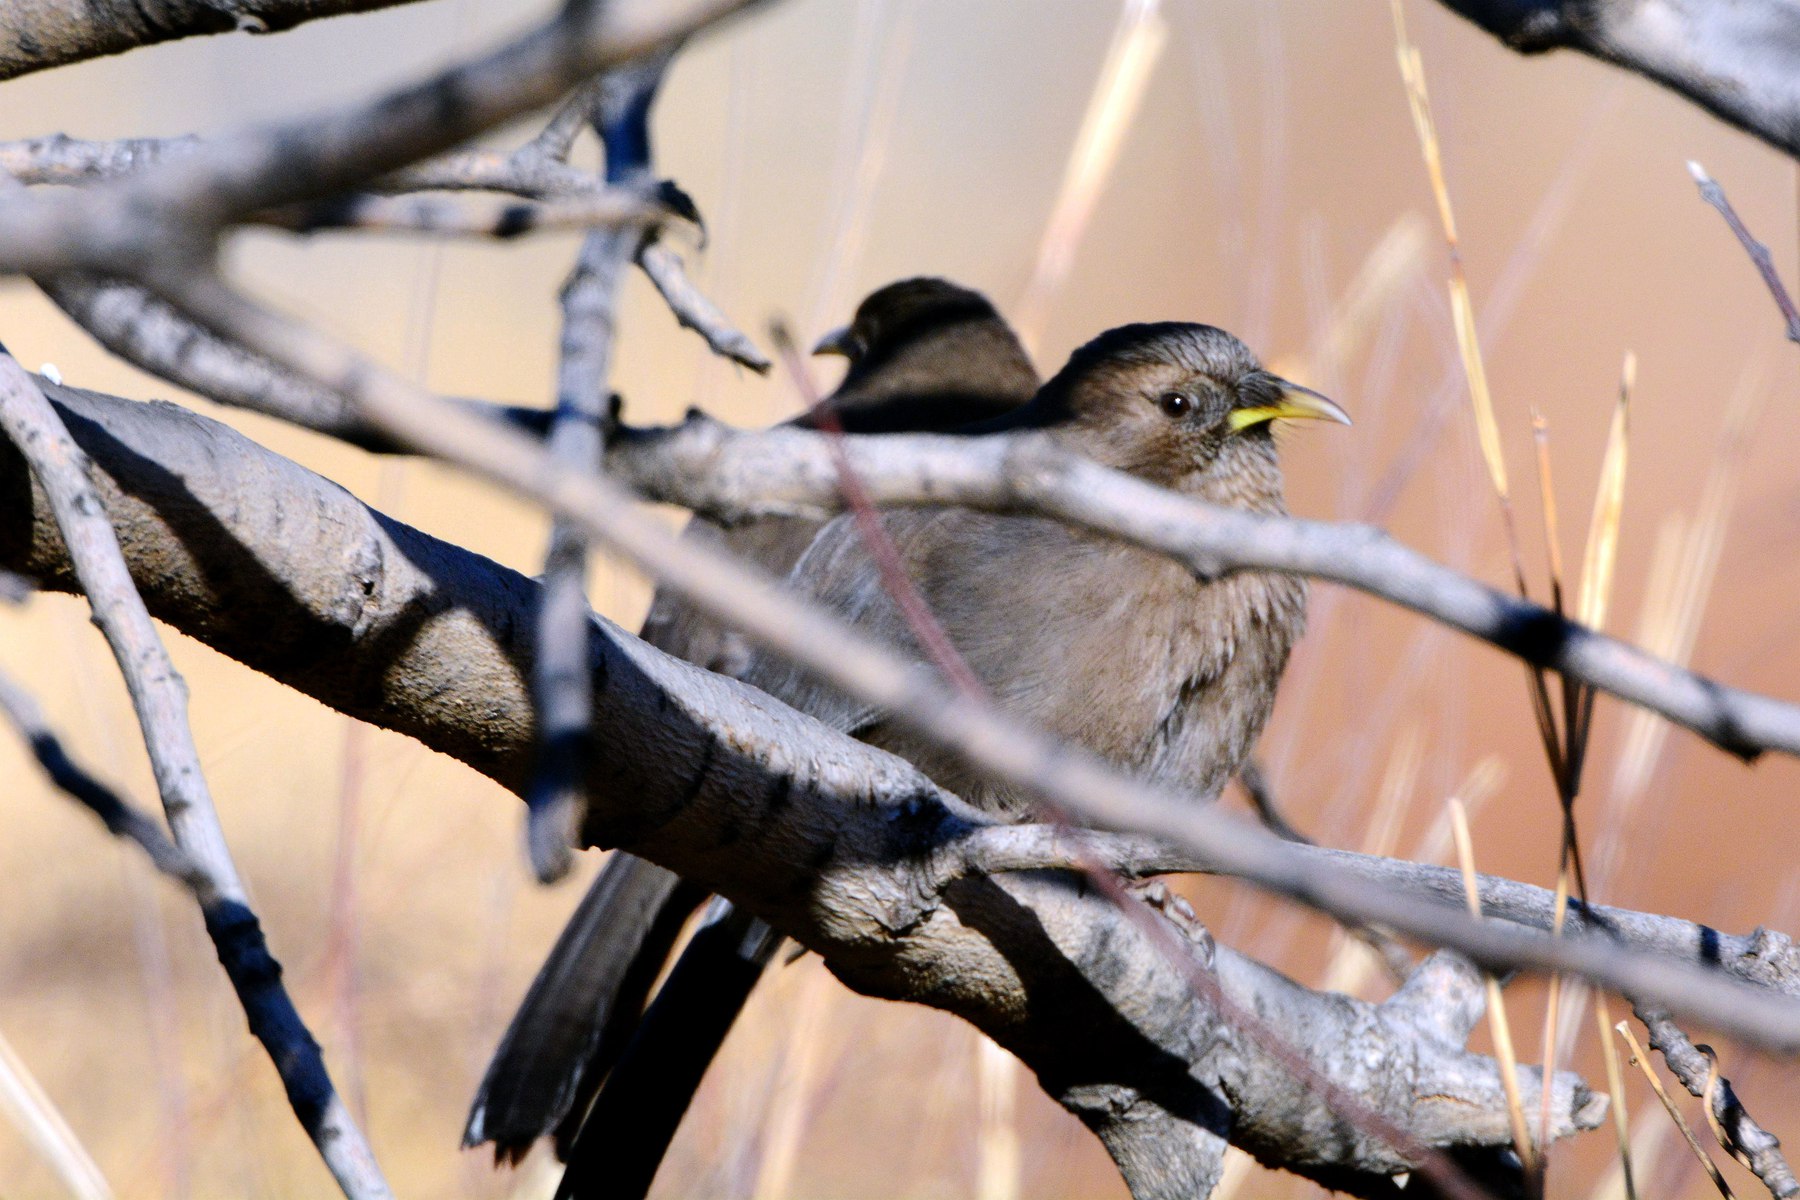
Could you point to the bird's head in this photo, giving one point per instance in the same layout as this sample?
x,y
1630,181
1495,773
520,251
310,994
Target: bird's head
x,y
1185,406
903,313
926,355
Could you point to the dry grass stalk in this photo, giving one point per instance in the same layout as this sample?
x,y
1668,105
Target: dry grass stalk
x,y
1642,1062
1615,1087
879,72
1498,1026
1371,293
1609,501
796,1088
1649,1144
1468,343
1599,557
35,1116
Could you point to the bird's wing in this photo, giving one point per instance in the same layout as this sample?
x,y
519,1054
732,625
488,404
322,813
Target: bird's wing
x,y
673,625
839,573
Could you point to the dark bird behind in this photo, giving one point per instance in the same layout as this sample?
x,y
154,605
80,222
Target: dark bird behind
x,y
925,356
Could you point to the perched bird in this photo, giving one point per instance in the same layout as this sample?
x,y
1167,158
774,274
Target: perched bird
x,y
1106,646
1103,645
925,355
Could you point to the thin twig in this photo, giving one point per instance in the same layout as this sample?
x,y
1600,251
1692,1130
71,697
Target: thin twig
x,y
1738,1134
160,698
694,310
170,213
1713,194
562,682
120,816
730,474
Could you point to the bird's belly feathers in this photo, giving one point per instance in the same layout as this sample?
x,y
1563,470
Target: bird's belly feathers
x,y
1130,657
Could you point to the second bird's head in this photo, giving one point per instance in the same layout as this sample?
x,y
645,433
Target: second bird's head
x,y
1185,406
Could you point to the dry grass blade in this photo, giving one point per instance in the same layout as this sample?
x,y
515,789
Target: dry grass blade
x,y
1468,342
1553,1000
879,69
1615,1087
1540,437
35,1116
1498,1026
999,1168
797,1091
1642,1061
1137,44
1595,594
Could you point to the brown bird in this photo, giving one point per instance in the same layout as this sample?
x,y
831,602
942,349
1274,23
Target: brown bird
x,y
925,355
1101,644
1105,646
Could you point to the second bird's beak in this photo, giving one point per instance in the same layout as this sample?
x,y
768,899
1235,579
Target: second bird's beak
x,y
1296,404
839,341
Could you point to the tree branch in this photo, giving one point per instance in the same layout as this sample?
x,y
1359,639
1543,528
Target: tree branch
x,y
618,107
147,333
121,818
165,218
38,34
830,840
1739,61
62,472
1004,749
1737,1132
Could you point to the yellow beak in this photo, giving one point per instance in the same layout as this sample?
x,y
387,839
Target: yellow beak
x,y
1296,404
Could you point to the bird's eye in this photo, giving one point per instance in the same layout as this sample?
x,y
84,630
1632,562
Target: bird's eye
x,y
1175,405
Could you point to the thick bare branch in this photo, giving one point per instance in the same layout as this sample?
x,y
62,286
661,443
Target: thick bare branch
x,y
1739,61
444,639
1091,791
159,695
829,839
37,34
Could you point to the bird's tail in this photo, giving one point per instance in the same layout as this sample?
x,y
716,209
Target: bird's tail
x,y
582,1008
628,1129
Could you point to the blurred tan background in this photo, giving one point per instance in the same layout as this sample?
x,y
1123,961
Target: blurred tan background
x,y
1268,177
